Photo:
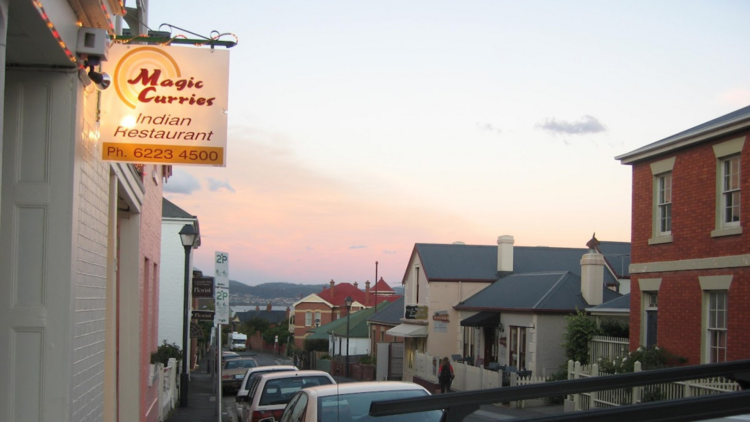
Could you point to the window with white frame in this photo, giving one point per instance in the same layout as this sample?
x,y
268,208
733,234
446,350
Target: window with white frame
x,y
518,347
730,191
664,182
661,202
308,319
728,195
716,322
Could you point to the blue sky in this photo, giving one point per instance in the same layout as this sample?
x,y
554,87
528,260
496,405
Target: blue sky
x,y
360,128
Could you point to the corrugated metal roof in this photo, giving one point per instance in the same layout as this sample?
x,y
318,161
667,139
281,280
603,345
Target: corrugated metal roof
x,y
617,255
622,302
558,291
477,262
390,315
273,317
170,210
458,262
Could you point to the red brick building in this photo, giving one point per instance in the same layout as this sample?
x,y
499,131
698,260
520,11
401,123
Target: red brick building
x,y
690,258
327,306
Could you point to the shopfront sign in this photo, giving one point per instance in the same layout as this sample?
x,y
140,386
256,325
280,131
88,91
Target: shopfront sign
x,y
203,287
415,312
203,315
166,105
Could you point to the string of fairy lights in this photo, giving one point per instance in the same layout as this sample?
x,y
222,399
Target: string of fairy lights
x,y
212,41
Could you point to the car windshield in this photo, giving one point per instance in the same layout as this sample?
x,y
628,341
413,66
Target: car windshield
x,y
356,407
280,391
244,363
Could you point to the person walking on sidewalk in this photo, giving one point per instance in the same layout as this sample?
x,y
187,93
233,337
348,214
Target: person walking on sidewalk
x,y
446,376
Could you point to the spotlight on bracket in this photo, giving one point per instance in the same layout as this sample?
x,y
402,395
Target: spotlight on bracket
x,y
101,80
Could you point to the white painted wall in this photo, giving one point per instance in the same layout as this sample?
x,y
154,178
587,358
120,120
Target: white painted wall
x,y
357,346
172,281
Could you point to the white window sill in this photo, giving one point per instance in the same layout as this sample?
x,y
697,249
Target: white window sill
x,y
660,239
726,231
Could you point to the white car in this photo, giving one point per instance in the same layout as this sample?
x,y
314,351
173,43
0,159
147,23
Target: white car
x,y
350,402
270,392
243,394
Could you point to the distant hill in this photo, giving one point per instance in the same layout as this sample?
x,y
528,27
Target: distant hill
x,y
275,290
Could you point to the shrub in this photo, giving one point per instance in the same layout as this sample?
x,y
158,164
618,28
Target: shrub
x,y
167,351
579,331
560,375
367,360
320,345
614,328
650,358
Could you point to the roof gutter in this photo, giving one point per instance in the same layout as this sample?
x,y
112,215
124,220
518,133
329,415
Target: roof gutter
x,y
688,139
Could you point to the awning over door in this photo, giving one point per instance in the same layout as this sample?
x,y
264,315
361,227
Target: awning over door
x,y
408,330
482,319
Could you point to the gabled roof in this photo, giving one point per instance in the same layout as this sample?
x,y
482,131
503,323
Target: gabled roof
x,y
621,303
558,291
170,210
382,287
337,296
617,255
274,317
726,124
357,324
390,315
456,262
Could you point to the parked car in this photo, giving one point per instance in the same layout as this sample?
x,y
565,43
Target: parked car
x,y
269,393
243,394
233,372
351,402
229,355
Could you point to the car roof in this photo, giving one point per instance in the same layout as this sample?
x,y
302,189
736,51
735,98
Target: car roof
x,y
260,370
293,374
362,387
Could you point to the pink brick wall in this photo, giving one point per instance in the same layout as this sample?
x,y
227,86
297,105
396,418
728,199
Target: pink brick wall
x,y
150,247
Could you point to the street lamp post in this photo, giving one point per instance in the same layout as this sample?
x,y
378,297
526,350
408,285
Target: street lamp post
x,y
187,237
348,301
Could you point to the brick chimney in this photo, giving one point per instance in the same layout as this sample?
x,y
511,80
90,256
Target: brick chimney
x,y
268,307
367,292
288,312
592,275
356,285
257,308
505,254
331,284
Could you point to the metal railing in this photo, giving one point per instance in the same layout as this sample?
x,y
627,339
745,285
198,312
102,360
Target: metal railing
x,y
459,405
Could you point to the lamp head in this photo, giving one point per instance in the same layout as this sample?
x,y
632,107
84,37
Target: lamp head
x,y
188,235
348,301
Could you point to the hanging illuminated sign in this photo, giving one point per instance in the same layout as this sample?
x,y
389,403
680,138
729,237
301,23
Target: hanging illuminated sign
x,y
166,105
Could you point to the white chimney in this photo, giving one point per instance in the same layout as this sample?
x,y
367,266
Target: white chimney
x,y
505,254
592,278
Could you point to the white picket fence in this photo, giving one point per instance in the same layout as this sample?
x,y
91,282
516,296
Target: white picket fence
x,y
606,347
471,378
168,394
651,392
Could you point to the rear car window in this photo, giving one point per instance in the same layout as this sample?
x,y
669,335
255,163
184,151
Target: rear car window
x,y
280,391
356,407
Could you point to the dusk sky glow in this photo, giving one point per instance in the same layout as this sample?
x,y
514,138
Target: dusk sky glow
x,y
357,129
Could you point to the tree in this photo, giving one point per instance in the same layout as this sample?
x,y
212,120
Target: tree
x,y
580,329
281,330
255,324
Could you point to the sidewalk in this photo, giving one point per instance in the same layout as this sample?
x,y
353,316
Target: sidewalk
x,y
201,400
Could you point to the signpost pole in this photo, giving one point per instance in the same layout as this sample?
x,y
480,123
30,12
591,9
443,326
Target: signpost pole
x,y
218,378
